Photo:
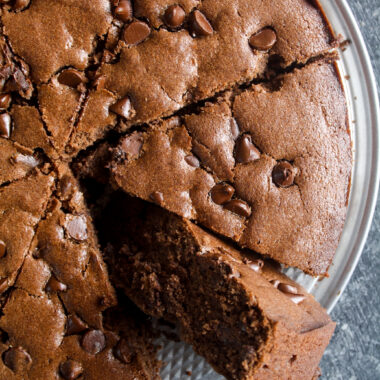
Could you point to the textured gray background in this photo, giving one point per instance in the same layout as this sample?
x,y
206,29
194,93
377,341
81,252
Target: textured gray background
x,y
354,352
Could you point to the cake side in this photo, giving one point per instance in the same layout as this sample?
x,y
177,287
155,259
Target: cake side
x,y
232,307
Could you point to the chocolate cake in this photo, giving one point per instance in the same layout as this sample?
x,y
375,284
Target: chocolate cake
x,y
228,113
240,312
55,288
268,167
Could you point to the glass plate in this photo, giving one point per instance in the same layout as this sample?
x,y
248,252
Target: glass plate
x,y
180,361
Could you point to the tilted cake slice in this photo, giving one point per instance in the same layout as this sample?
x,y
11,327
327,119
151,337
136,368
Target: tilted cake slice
x,y
240,312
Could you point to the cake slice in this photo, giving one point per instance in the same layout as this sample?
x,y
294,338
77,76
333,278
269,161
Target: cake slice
x,y
153,65
58,309
269,167
240,312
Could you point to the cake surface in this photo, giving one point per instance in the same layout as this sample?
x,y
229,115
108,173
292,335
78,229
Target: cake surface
x,y
55,288
268,167
238,311
227,113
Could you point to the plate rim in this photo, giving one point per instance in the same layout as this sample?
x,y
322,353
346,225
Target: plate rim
x,y
370,84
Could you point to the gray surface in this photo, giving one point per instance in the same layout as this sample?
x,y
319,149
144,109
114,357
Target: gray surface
x,y
354,352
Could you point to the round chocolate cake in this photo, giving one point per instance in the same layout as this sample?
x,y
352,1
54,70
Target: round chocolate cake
x,y
173,153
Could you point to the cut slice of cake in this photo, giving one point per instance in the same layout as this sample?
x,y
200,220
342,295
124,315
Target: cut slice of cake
x,y
240,312
269,167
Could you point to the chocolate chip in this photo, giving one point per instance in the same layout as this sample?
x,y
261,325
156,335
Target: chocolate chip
x,y
123,11
199,24
275,283
239,207
54,286
222,193
5,101
3,284
296,298
17,359
256,265
234,129
5,125
136,32
74,325
263,39
124,352
3,249
157,197
192,161
122,107
291,292
285,288
71,77
174,16
283,174
70,369
93,342
76,227
132,144
245,151
19,5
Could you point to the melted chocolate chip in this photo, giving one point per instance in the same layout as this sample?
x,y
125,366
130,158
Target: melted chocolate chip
x,y
285,288
122,107
245,151
54,286
192,161
93,342
157,197
5,125
136,32
296,298
275,283
3,249
5,101
222,193
123,10
19,5
132,144
74,325
76,227
17,359
70,370
199,24
289,290
238,207
234,129
256,265
283,174
174,16
263,39
124,352
3,284
70,77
